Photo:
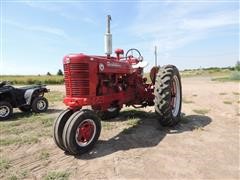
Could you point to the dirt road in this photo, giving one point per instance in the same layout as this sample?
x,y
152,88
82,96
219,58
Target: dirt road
x,y
204,145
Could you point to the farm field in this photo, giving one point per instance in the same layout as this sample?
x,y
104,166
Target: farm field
x,y
204,145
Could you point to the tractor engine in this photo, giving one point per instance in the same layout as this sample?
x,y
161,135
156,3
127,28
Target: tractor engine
x,y
105,82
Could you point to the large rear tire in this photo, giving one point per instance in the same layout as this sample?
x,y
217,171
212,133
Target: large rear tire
x,y
58,127
168,95
81,132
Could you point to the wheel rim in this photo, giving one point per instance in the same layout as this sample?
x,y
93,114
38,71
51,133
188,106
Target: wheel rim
x,y
175,96
85,132
41,104
4,111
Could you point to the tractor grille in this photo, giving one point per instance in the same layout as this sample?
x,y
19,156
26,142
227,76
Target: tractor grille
x,y
76,77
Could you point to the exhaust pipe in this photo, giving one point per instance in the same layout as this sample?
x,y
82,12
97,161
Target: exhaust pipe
x,y
108,38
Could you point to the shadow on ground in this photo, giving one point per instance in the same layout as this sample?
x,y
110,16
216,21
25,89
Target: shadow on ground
x,y
18,115
146,133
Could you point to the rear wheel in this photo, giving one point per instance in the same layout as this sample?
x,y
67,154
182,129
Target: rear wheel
x,y
81,132
26,108
168,95
58,127
6,110
40,104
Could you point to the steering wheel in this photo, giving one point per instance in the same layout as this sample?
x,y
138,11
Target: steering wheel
x,y
140,58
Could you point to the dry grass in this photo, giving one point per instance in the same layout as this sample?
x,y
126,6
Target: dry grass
x,y
227,102
201,111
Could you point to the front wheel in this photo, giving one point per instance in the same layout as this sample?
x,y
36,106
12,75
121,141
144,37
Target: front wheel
x,y
58,127
6,110
40,104
81,132
168,95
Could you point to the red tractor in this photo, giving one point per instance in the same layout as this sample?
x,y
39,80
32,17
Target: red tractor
x,y
106,83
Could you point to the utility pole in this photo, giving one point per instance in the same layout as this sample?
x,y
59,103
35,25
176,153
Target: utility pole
x,y
155,53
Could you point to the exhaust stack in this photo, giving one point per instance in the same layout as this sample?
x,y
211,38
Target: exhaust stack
x,y
108,38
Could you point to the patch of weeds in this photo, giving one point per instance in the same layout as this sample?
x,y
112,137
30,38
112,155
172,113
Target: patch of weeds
x,y
54,96
19,140
222,93
133,122
238,101
13,177
107,125
194,95
227,102
197,128
187,101
47,122
44,155
236,93
201,111
4,164
134,113
57,176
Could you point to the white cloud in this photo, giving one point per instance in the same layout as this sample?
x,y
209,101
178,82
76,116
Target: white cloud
x,y
39,28
174,25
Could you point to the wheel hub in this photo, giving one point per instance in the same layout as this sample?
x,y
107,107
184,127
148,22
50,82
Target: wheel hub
x,y
85,132
4,111
175,96
41,105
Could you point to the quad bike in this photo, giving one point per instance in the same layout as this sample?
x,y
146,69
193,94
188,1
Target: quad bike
x,y
106,83
29,98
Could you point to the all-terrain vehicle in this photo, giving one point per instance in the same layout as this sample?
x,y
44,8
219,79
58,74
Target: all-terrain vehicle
x,y
29,98
106,83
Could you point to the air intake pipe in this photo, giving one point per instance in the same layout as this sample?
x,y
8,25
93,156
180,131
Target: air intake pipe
x,y
108,38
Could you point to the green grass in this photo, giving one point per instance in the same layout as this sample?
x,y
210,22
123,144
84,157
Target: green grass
x,y
233,76
206,72
133,122
43,79
227,102
15,175
25,129
27,139
44,155
54,96
57,176
201,111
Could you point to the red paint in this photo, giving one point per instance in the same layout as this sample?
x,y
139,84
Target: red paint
x,y
85,132
101,81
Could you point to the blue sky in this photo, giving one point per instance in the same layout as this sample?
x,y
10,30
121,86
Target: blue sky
x,y
35,35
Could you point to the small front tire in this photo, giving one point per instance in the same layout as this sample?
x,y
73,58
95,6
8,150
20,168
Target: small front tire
x,y
6,110
58,127
81,132
40,104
